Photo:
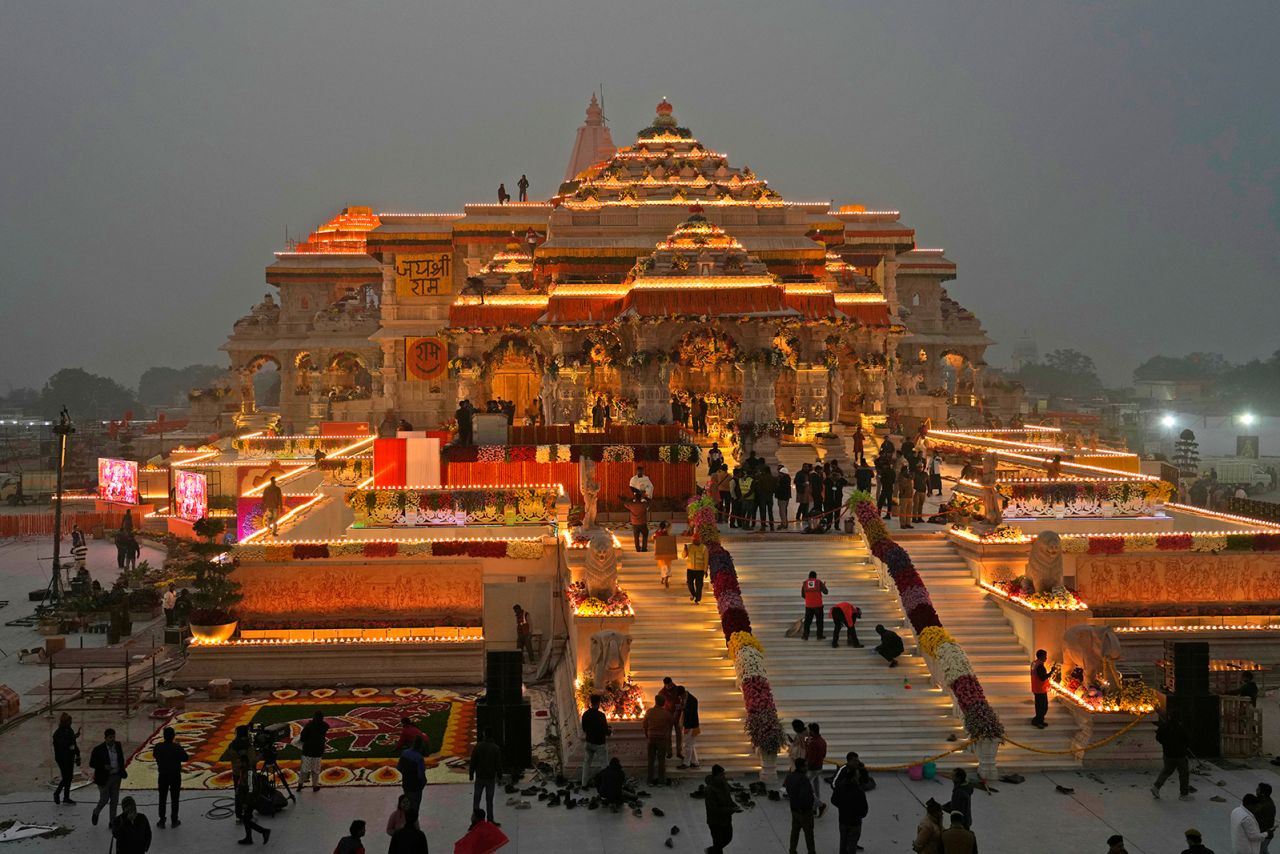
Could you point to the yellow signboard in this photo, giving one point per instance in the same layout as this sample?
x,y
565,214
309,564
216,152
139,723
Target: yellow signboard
x,y
421,276
425,358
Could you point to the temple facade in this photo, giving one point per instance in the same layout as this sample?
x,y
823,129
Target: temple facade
x,y
661,282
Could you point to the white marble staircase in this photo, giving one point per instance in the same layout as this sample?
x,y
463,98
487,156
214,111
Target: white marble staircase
x,y
673,637
860,703
998,659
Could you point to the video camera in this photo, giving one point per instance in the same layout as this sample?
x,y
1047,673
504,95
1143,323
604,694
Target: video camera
x,y
264,740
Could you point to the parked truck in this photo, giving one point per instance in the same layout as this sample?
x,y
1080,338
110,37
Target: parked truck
x,y
27,487
1238,471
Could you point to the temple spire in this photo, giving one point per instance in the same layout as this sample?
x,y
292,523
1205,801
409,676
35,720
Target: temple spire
x,y
593,143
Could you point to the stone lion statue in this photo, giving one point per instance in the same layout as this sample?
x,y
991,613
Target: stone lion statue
x,y
610,657
600,570
1094,649
1044,566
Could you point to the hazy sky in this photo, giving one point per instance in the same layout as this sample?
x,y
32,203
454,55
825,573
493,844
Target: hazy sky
x,y
1104,175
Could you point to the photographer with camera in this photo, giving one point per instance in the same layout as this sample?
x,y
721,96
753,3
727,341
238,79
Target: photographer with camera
x,y
244,762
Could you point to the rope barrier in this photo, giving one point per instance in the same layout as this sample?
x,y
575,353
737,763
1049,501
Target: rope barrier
x,y
959,747
1087,747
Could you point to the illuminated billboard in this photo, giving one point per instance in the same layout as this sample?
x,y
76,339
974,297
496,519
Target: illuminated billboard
x,y
118,480
191,495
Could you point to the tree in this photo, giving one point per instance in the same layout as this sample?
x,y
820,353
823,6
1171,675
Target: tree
x,y
1062,373
87,395
1186,453
163,386
1194,366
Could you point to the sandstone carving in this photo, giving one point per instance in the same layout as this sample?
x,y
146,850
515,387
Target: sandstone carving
x,y
1095,650
600,569
610,657
1044,566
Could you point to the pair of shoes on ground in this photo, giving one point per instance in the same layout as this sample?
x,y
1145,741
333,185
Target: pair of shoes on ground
x,y
160,823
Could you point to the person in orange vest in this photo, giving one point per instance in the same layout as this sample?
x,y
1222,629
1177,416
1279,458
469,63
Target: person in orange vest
x,y
812,591
845,615
1040,687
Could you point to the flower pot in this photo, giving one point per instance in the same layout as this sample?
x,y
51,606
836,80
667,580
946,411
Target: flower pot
x,y
214,634
768,766
986,748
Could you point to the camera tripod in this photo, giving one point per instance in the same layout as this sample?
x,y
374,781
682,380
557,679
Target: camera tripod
x,y
272,771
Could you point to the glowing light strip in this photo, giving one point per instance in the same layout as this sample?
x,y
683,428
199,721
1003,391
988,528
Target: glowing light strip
x,y
499,299
705,282
196,459
587,291
293,436
720,202
1200,627
348,541
810,290
584,544
1214,514
460,638
867,299
969,438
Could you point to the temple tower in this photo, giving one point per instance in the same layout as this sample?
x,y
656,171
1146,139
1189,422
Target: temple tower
x,y
593,142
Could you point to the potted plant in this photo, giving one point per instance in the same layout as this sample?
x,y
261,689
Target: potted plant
x,y
213,617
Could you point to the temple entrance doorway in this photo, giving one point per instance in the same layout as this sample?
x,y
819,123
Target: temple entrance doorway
x,y
705,375
514,380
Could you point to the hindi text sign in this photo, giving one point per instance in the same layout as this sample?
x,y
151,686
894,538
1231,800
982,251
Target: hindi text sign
x,y
419,277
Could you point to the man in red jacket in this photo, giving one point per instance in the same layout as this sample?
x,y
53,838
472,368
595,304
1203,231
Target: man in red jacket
x,y
812,590
815,754
844,615
1040,687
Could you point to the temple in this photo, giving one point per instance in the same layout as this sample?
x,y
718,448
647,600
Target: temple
x,y
660,280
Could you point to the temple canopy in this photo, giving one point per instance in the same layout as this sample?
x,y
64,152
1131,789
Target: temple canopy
x,y
667,164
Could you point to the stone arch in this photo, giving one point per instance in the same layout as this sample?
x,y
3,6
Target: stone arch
x,y
346,376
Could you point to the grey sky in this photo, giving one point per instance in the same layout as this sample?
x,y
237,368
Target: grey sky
x,y
1105,176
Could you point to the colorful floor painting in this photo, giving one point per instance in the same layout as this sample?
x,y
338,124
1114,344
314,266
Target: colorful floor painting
x,y
364,727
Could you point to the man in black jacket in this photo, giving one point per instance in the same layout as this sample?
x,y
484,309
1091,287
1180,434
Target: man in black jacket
x,y
890,646
132,832
169,756
595,748
66,754
847,797
1173,747
720,810
800,794
107,762
486,765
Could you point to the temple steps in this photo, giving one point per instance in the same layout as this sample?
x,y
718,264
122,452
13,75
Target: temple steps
x,y
998,659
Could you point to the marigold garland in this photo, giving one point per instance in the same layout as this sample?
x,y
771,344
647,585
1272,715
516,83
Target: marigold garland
x,y
933,641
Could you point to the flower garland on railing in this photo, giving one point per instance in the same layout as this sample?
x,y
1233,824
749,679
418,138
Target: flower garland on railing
x,y
1211,543
411,506
762,725
284,553
585,605
980,719
1065,492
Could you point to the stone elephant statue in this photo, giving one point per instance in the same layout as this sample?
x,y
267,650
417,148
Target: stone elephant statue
x,y
610,658
1044,565
1094,649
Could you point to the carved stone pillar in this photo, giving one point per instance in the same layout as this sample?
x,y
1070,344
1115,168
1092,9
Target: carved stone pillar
x,y
653,393
318,406
758,405
470,385
248,405
390,376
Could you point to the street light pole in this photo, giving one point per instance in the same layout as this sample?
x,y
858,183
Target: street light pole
x,y
62,430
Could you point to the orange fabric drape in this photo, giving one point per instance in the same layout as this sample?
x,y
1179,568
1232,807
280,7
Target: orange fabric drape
x,y
41,524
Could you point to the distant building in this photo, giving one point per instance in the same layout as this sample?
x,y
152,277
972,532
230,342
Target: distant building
x,y
1025,352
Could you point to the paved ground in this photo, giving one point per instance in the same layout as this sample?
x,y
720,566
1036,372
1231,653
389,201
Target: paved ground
x,y
1013,820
